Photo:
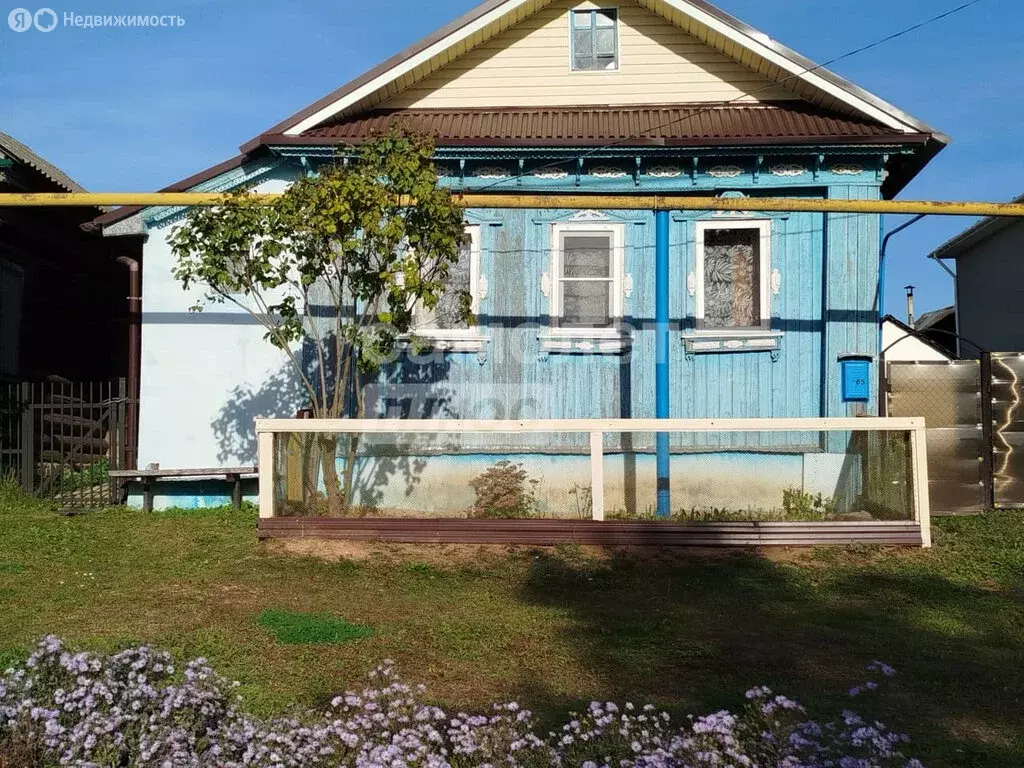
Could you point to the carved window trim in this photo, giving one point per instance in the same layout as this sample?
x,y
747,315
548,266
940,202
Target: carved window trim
x,y
612,339
763,226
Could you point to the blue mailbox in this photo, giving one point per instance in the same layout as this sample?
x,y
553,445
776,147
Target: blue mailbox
x,y
855,377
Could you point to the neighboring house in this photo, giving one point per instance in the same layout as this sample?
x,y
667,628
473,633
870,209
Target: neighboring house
x,y
939,327
579,97
989,285
63,296
901,343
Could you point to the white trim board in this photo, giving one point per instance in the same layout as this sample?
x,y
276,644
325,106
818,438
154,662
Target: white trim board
x,y
422,426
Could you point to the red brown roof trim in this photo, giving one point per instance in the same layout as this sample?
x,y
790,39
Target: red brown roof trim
x,y
666,125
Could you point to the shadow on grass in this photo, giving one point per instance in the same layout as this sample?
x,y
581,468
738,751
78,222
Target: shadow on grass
x,y
692,635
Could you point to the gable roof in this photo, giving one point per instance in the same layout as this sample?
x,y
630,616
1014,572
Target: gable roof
x,y
701,19
839,110
960,244
15,150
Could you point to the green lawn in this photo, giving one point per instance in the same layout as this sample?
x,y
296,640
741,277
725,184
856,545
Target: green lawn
x,y
550,628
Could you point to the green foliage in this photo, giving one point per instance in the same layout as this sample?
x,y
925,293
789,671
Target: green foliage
x,y
504,491
14,500
86,477
338,262
292,628
367,239
801,505
797,506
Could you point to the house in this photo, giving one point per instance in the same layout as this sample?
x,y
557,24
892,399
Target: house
x,y
557,96
63,307
988,311
68,330
901,343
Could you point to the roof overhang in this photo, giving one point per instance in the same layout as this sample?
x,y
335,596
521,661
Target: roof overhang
x,y
962,243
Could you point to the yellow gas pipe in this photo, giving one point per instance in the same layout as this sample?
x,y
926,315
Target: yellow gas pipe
x,y
530,200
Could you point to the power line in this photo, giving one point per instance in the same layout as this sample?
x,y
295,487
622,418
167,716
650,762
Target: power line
x,y
769,86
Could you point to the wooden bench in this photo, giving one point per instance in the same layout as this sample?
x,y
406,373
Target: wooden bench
x,y
148,478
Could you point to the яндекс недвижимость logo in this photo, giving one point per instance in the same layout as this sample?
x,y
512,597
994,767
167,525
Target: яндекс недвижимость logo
x,y
46,19
22,19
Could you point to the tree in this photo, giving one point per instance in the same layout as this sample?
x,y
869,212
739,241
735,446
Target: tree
x,y
336,264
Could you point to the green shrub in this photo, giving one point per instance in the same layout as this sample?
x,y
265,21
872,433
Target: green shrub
x,y
504,491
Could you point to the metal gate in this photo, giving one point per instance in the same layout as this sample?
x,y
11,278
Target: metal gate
x,y
949,397
61,439
1007,420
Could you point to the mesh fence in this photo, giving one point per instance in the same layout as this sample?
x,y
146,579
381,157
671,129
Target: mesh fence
x,y
948,395
800,476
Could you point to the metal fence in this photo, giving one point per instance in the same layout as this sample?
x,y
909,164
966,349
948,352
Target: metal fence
x,y
60,439
975,419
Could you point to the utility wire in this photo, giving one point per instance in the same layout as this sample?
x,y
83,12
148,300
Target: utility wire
x,y
769,86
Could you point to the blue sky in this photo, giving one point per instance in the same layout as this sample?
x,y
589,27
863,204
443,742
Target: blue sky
x,y
135,109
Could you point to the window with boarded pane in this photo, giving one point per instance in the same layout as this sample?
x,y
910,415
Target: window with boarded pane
x,y
587,276
732,267
595,39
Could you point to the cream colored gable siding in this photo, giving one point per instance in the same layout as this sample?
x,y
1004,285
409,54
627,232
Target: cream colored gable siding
x,y
529,66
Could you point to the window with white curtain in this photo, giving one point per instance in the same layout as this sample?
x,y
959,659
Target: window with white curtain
x,y
586,277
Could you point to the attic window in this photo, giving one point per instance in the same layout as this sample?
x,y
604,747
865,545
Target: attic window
x,y
595,40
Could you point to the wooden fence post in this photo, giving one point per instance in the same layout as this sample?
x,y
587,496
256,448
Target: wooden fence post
x,y
265,460
597,475
922,508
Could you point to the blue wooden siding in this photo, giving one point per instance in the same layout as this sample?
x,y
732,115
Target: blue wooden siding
x,y
826,306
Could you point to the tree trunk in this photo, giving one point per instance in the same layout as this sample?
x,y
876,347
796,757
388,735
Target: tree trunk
x,y
336,502
348,486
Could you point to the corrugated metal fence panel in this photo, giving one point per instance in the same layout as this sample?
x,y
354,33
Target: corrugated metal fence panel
x,y
608,533
1008,428
948,396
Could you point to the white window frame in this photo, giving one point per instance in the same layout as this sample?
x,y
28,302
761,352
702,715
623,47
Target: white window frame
x,y
461,339
612,334
764,227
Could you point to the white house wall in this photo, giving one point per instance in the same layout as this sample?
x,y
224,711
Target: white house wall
x,y
206,375
899,346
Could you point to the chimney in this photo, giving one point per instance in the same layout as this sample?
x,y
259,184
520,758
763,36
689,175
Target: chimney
x,y
910,305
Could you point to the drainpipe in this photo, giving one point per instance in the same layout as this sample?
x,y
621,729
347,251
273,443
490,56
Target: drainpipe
x,y
661,370
881,266
881,304
134,353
